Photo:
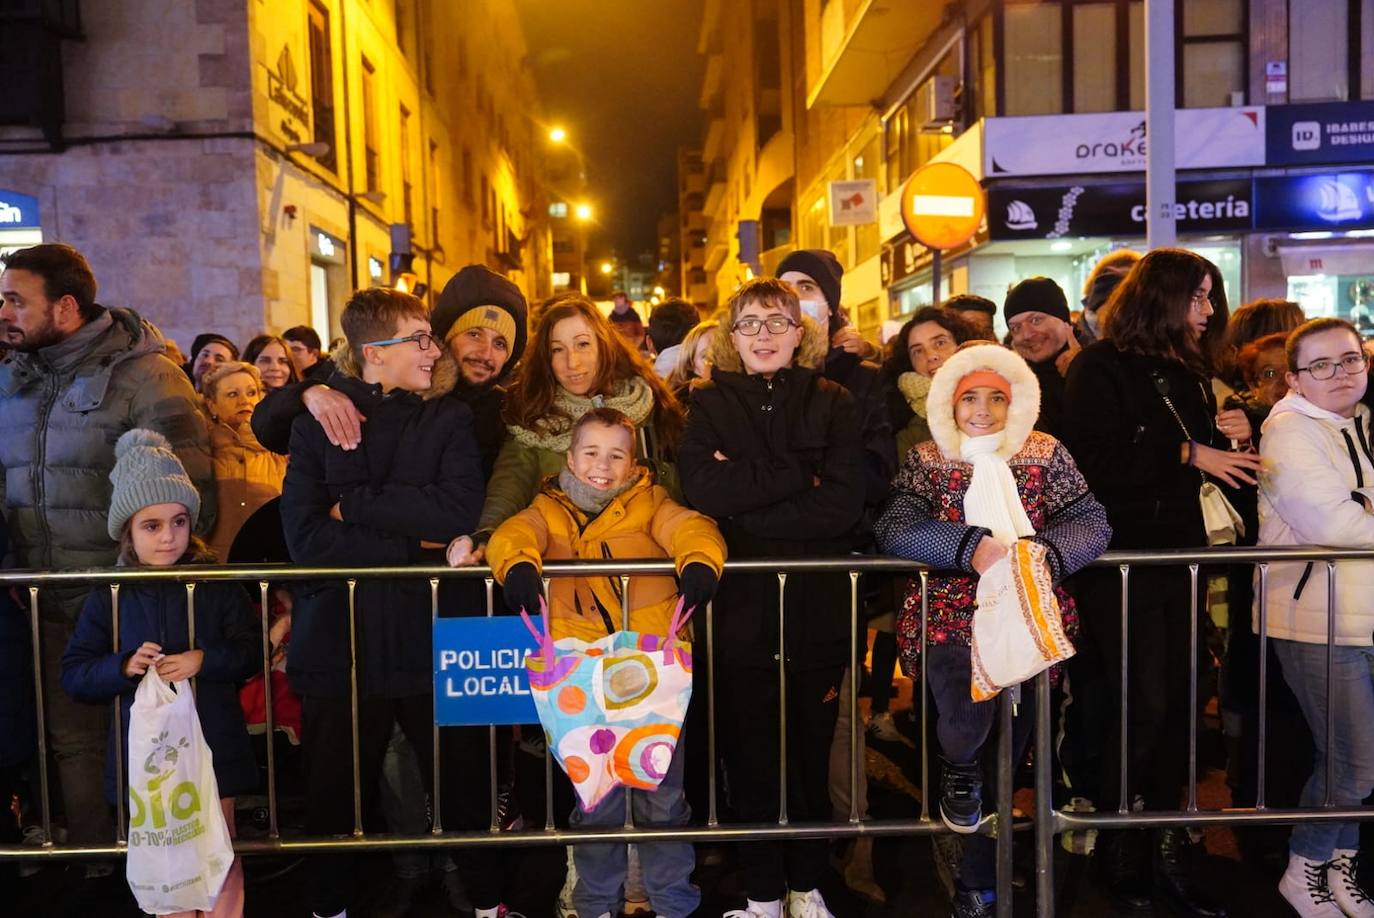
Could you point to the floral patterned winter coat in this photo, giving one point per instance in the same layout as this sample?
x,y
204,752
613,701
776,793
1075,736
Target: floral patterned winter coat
x,y
925,521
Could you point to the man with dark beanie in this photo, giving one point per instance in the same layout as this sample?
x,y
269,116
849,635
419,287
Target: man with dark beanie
x,y
480,318
1037,314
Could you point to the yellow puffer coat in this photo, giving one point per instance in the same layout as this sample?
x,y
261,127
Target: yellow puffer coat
x,y
642,523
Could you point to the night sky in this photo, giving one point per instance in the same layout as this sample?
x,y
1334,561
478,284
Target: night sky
x,y
623,77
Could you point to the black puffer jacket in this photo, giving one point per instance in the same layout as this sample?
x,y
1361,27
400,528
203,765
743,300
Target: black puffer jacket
x,y
861,378
415,477
792,486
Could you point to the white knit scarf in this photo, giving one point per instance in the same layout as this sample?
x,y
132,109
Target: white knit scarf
x,y
992,500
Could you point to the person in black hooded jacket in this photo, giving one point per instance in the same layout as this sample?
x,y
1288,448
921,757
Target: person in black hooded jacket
x,y
480,318
772,451
413,484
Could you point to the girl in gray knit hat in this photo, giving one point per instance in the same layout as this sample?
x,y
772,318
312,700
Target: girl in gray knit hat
x,y
153,509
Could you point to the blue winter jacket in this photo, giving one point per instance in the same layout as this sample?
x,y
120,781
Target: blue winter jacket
x,y
225,630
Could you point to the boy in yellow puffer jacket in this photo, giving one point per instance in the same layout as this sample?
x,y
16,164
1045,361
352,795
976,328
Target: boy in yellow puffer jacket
x,y
604,506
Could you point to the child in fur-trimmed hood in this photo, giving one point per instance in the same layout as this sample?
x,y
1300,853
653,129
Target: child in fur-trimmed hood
x,y
985,480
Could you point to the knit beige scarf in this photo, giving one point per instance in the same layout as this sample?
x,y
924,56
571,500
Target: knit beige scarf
x,y
914,388
633,398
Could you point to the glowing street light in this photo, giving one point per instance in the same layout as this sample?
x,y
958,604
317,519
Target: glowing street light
x,y
558,135
607,267
583,212
658,291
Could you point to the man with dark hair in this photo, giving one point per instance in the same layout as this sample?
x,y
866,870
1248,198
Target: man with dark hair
x,y
625,319
977,311
669,323
80,375
306,353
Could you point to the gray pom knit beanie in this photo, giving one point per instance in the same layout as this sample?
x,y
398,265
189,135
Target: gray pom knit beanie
x,y
147,472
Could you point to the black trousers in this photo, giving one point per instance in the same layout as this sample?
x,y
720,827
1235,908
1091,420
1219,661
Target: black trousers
x,y
749,718
1159,636
464,775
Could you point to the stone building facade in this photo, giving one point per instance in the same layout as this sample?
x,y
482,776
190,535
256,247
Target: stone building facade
x,y
241,165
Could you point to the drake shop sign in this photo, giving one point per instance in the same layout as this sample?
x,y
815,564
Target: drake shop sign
x,y
1116,209
1204,138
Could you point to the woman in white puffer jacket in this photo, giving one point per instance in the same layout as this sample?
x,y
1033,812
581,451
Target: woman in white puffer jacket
x,y
1315,485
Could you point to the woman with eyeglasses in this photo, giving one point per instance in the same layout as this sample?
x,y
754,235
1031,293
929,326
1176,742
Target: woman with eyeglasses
x,y
1316,489
773,451
1144,428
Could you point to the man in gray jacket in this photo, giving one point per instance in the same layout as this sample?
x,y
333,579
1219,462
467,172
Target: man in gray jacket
x,y
79,376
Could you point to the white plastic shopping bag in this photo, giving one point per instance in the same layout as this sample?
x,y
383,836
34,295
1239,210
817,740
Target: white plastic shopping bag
x,y
1017,627
179,846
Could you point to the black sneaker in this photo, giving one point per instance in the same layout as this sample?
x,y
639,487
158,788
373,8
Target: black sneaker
x,y
961,796
974,903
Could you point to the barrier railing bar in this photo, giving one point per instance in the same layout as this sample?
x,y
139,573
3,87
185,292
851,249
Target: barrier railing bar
x,y
435,795
854,665
838,565
493,801
267,707
1263,732
1124,803
353,706
1044,800
1330,678
549,826
625,626
925,697
782,699
190,628
1192,687
711,818
40,720
1005,745
121,791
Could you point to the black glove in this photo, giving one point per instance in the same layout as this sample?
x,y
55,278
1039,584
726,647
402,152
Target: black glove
x,y
523,587
697,584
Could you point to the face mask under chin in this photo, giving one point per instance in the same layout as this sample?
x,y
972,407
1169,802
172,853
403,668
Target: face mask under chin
x,y
816,310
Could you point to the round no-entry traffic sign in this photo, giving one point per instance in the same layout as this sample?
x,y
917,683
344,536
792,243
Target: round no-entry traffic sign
x,y
942,205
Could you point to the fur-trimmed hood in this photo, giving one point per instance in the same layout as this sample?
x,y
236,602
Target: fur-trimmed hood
x,y
1021,414
815,345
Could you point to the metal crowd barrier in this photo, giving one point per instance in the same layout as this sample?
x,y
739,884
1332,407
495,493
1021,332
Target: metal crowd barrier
x,y
1046,823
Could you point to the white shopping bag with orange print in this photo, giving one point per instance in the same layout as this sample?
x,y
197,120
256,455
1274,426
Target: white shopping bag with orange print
x,y
1017,627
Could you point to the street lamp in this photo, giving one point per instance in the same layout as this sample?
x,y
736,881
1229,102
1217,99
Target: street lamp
x,y
558,135
607,267
658,291
583,212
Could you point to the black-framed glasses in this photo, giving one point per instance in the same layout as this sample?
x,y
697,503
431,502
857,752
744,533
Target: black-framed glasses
x,y
1325,369
776,325
423,339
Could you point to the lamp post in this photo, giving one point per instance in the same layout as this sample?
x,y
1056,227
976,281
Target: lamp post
x,y
571,189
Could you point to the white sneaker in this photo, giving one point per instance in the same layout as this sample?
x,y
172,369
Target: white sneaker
x,y
809,904
1342,878
770,909
882,727
1304,886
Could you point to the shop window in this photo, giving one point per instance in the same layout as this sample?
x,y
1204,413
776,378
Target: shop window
x,y
372,159
1213,52
1033,53
1094,57
322,85
983,69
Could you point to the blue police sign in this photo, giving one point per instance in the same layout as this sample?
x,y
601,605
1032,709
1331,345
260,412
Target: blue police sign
x,y
1329,132
18,211
1326,201
479,671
